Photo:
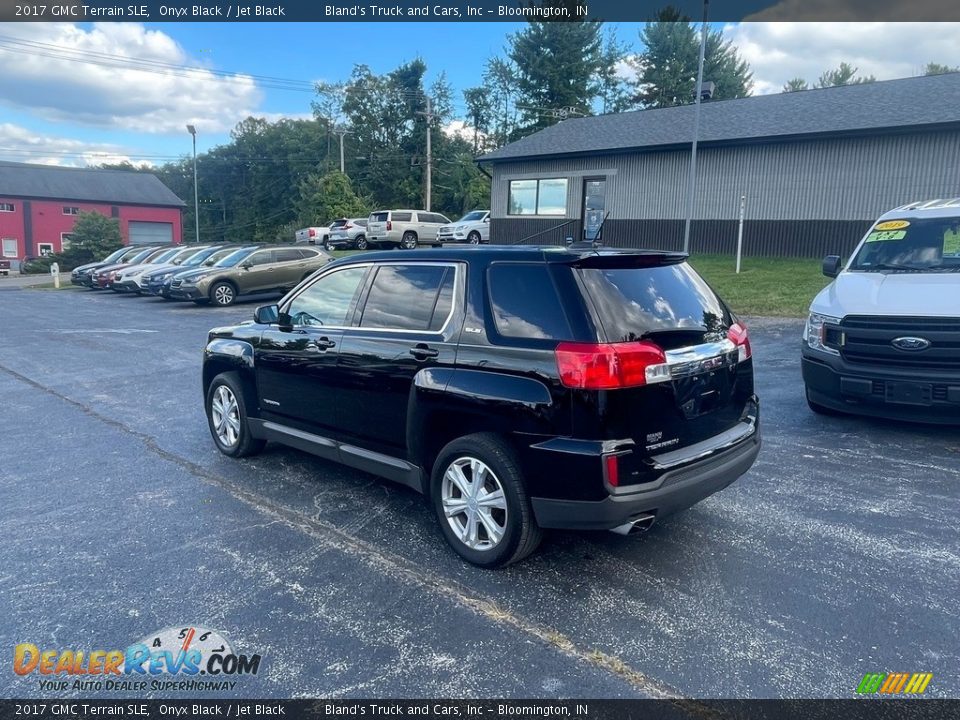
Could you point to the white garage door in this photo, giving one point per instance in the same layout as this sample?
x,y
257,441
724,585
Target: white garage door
x,y
151,233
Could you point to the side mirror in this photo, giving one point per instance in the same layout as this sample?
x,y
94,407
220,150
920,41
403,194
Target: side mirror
x,y
487,219
831,266
246,265
266,314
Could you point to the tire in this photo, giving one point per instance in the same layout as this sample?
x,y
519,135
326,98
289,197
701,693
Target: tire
x,y
518,531
821,409
362,242
408,241
327,246
228,426
473,238
223,294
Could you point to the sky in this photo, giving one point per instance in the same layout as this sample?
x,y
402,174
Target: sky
x,y
54,109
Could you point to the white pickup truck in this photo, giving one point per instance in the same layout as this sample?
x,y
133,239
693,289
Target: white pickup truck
x,y
314,235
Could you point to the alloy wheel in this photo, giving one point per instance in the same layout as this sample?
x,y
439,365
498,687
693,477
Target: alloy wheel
x,y
474,503
225,413
223,295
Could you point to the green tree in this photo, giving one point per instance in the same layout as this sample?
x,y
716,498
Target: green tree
x,y
795,84
933,68
615,95
844,74
667,68
556,67
324,198
94,236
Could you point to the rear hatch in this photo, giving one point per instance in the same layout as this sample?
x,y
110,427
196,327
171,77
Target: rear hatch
x,y
378,224
338,230
675,365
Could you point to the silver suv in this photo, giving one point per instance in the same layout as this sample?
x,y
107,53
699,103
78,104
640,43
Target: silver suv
x,y
404,228
473,228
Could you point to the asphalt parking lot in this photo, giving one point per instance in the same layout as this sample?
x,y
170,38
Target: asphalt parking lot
x,y
836,555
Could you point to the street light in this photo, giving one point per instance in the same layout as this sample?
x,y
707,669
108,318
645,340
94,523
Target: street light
x,y
196,196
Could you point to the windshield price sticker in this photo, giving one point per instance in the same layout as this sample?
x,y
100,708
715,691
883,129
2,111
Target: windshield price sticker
x,y
882,235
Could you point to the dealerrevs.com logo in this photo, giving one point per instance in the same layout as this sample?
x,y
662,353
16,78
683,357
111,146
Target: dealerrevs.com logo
x,y
181,658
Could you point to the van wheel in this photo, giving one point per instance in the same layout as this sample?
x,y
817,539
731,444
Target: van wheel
x,y
478,494
473,238
223,294
821,409
361,242
408,241
227,417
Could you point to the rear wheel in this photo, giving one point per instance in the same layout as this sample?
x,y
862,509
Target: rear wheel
x,y
327,246
361,242
408,241
227,417
473,238
223,294
479,497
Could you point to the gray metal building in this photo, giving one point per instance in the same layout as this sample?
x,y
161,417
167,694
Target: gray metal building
x,y
816,167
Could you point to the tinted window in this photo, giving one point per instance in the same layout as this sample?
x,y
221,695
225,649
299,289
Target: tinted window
x,y
307,253
401,217
444,301
362,222
380,217
403,297
525,303
287,254
337,223
634,302
329,300
260,258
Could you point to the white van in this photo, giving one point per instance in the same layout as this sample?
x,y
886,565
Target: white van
x,y
883,338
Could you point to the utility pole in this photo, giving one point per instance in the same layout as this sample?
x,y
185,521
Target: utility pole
x,y
429,116
196,197
341,132
696,132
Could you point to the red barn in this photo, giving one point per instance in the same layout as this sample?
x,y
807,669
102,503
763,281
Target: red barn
x,y
39,205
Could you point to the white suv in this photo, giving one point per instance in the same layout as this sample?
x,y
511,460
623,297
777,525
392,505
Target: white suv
x,y
883,338
473,228
404,228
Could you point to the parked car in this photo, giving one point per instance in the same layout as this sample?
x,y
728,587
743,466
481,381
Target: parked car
x,y
212,261
473,228
314,235
519,387
404,228
266,269
4,267
883,338
151,281
81,275
128,279
104,276
347,233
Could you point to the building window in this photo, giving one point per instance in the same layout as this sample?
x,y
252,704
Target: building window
x,y
71,210
7,207
65,240
45,249
538,197
9,247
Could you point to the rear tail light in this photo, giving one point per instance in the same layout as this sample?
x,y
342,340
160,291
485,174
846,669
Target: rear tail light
x,y
739,336
389,225
606,366
312,233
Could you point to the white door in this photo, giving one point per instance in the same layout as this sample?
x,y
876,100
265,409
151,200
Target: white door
x,y
151,233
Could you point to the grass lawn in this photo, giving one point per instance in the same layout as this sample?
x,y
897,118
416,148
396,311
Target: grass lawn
x,y
765,286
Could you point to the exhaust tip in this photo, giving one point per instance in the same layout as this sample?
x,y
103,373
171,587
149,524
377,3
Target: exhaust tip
x,y
637,525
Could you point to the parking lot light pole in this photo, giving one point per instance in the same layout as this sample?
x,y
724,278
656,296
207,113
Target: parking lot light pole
x,y
696,132
196,195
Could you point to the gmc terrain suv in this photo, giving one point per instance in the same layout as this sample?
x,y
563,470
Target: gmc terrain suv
x,y
519,388
883,338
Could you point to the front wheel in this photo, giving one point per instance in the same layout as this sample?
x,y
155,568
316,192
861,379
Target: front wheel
x,y
480,500
408,241
361,243
227,417
223,294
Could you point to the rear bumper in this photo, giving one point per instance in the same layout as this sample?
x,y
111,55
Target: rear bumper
x,y
675,490
838,385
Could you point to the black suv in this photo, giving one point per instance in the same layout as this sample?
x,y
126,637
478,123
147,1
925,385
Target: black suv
x,y
519,388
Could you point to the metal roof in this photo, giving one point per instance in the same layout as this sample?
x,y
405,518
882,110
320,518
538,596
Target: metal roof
x,y
112,187
898,105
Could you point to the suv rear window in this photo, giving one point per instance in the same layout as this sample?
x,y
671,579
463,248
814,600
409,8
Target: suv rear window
x,y
632,303
380,217
403,297
287,254
524,302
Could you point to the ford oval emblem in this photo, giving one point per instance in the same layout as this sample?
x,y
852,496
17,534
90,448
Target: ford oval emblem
x,y
910,343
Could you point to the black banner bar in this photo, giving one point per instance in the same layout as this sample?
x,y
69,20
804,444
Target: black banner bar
x,y
467,10
858,709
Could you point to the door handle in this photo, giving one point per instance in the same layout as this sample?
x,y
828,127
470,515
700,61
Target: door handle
x,y
321,344
422,352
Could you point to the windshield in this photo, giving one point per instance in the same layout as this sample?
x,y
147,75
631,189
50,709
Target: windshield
x,y
233,258
929,244
199,257
140,257
475,216
164,256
